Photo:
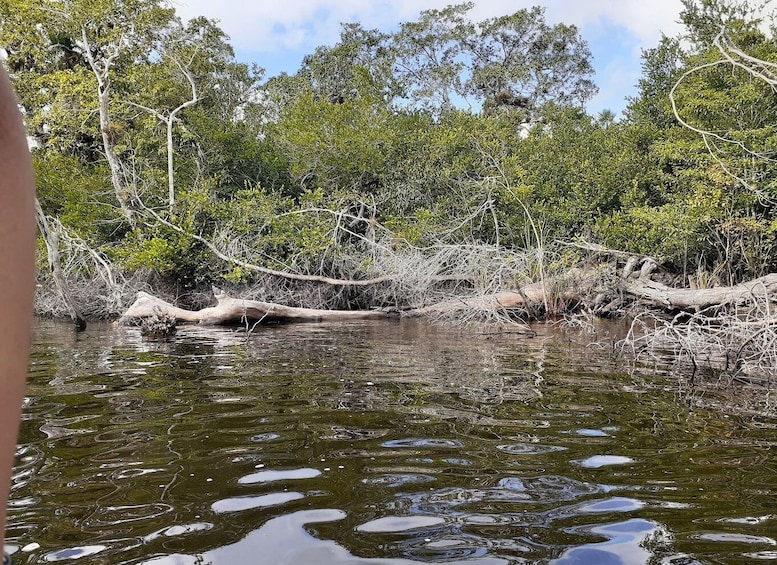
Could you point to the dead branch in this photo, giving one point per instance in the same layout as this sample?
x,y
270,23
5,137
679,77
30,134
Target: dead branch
x,y
51,240
266,270
757,69
169,119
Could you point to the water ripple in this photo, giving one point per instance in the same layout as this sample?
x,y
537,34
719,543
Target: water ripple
x,y
74,552
625,544
113,515
433,443
394,480
400,524
269,476
596,461
529,448
190,451
735,538
239,503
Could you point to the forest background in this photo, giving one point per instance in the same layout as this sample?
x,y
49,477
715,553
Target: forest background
x,y
392,169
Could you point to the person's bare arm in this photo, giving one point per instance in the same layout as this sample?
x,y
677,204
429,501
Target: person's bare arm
x,y
17,282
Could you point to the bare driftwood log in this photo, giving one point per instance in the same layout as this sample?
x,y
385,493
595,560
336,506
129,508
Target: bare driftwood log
x,y
230,310
698,299
561,293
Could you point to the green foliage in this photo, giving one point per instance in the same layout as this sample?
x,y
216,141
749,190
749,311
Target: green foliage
x,y
286,233
661,68
78,196
513,60
580,169
511,56
335,145
296,173
155,254
172,254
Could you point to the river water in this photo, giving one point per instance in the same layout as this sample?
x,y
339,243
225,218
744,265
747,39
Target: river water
x,y
376,443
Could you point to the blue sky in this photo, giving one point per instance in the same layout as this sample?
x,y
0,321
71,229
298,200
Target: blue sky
x,y
277,35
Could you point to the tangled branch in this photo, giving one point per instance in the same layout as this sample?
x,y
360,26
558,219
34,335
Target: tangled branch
x,y
758,69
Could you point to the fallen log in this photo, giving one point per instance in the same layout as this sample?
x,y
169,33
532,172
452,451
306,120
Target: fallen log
x,y
230,310
689,299
560,295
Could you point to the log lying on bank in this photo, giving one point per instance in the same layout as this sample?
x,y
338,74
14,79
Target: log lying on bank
x,y
530,298
688,299
230,310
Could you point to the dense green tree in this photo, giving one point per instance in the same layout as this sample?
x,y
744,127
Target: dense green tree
x,y
336,144
430,56
661,68
358,64
59,51
444,60
714,103
519,60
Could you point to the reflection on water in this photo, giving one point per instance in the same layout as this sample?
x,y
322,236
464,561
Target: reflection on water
x,y
625,544
375,443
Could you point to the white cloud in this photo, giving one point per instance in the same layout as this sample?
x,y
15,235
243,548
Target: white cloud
x,y
645,20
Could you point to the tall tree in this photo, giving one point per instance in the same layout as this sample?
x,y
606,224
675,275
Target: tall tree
x,y
430,56
520,60
191,62
358,63
444,60
78,42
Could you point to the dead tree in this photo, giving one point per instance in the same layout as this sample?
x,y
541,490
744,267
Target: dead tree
x,y
51,239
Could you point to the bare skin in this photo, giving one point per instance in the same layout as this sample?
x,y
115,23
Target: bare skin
x,y
17,282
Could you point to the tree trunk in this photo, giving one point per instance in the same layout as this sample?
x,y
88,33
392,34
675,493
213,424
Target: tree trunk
x,y
101,71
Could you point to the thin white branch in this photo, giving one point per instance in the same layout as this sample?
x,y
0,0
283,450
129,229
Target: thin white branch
x,y
757,68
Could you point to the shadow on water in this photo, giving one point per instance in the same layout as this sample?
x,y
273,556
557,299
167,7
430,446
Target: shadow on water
x,y
384,443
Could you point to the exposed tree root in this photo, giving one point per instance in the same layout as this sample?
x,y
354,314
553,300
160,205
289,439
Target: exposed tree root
x,y
81,282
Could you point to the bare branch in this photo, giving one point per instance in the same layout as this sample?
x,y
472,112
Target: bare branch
x,y
759,69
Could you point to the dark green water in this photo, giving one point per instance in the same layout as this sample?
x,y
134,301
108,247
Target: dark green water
x,y
375,443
